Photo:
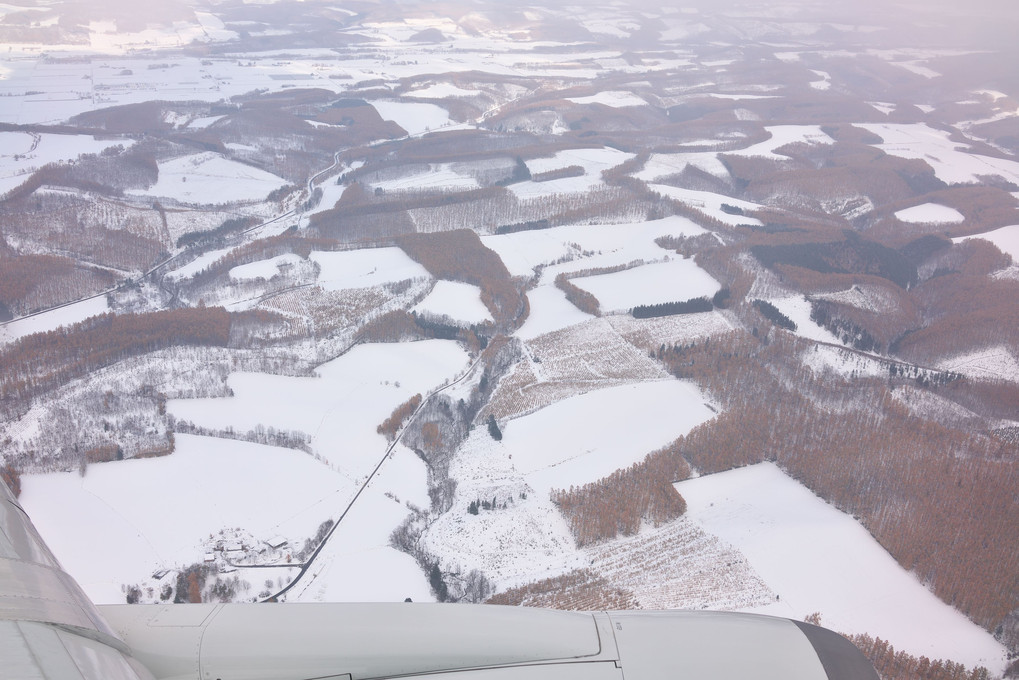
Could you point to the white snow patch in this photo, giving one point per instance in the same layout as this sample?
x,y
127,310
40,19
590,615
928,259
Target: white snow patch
x,y
663,165
341,407
592,160
22,153
679,566
365,268
456,300
587,437
204,122
549,311
1005,238
121,529
818,559
210,179
358,564
993,363
264,269
439,176
781,135
200,263
951,165
930,213
55,318
825,80
710,203
797,308
585,246
526,541
675,280
414,117
611,98
918,69
441,91
843,362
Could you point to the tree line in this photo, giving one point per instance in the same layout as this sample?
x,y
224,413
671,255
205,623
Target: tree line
x,y
42,361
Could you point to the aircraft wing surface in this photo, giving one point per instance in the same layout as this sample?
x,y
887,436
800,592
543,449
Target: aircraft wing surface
x,y
48,627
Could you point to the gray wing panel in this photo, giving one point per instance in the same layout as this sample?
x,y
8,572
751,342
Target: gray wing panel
x,y
49,629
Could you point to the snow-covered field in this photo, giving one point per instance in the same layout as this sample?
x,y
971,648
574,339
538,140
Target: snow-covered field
x,y
817,559
663,165
575,441
1006,239
951,164
710,204
133,517
47,321
593,161
674,280
990,363
341,407
931,213
439,176
590,436
586,246
264,269
612,98
22,153
549,311
797,308
781,135
456,300
365,268
414,117
210,179
358,564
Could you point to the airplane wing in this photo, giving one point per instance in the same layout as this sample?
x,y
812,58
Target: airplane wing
x,y
49,629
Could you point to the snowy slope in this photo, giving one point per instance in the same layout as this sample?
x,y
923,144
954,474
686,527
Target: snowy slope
x,y
817,559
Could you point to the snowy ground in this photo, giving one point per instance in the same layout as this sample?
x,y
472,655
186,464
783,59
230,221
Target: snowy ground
x,y
22,153
612,98
679,566
1006,239
782,135
47,321
341,407
593,161
438,176
590,436
456,300
414,117
549,311
675,280
365,268
930,213
122,529
358,565
952,164
817,559
710,204
578,247
990,363
209,179
663,165
575,441
797,308
264,269
842,361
